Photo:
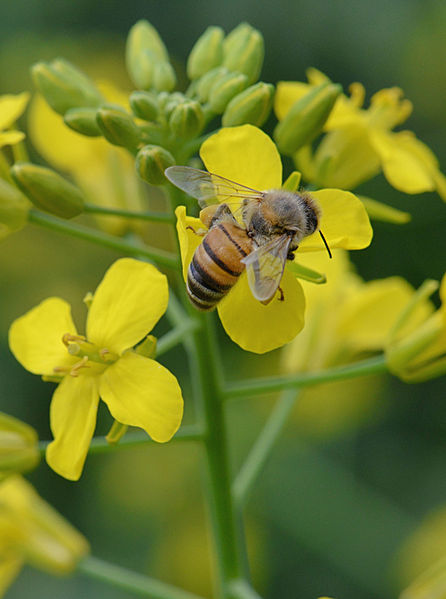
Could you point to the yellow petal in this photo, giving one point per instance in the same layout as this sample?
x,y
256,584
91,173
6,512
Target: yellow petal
x,y
11,107
140,392
188,240
9,138
258,328
10,566
73,419
287,93
403,164
344,223
245,155
127,304
35,338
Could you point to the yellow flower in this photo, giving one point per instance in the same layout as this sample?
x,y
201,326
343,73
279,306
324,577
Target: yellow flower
x,y
248,156
105,173
138,391
11,107
360,142
32,532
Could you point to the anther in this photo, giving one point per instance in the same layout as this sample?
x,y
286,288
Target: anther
x,y
81,364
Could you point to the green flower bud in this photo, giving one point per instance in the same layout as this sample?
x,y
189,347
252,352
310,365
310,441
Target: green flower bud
x,y
144,105
64,87
164,78
151,162
118,128
251,106
83,120
244,51
306,118
225,89
18,446
206,54
186,119
47,190
206,83
144,50
14,208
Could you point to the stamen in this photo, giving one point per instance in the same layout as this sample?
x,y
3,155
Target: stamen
x,y
106,355
81,364
69,338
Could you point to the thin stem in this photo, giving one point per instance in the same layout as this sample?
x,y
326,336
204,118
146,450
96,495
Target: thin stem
x,y
161,257
156,217
174,337
131,581
261,450
4,168
191,432
262,386
240,589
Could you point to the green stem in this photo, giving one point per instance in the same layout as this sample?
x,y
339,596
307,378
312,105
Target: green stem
x,y
261,386
261,450
161,257
4,168
131,581
174,337
156,217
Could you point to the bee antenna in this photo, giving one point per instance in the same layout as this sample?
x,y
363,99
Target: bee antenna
x,y
325,243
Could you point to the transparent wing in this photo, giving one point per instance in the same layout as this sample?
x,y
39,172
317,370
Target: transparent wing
x,y
207,188
264,267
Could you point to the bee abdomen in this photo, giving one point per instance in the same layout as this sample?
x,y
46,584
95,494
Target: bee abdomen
x,y
216,265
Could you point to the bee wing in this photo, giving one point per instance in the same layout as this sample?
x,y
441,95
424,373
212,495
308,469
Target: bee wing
x,y
207,188
264,267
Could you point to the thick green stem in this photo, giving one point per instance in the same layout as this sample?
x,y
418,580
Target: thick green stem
x,y
279,383
156,217
131,581
161,257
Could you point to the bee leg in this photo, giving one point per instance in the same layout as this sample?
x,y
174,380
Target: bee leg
x,y
200,232
282,296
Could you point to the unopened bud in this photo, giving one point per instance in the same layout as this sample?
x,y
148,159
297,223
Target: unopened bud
x,y
306,118
244,51
187,119
172,102
225,89
83,120
207,82
251,106
144,105
14,208
47,190
206,54
18,446
164,78
64,87
118,128
151,162
144,50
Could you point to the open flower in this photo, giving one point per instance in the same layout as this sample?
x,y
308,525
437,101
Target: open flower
x,y
138,391
248,156
11,107
360,142
32,532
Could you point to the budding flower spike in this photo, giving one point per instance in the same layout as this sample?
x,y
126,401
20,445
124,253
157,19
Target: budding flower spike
x,y
138,391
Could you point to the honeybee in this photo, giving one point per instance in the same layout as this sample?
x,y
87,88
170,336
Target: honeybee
x,y
274,222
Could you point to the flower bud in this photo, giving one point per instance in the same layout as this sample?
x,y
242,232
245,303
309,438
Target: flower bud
x,y
251,106
151,162
144,105
14,208
187,119
164,78
118,128
244,51
206,83
64,87
47,190
225,89
206,54
83,120
172,102
306,118
18,446
144,49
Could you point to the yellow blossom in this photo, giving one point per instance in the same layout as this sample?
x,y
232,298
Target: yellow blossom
x,y
11,107
138,391
248,156
32,532
359,142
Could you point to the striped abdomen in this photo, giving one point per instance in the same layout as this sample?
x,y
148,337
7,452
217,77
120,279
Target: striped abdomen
x,y
216,266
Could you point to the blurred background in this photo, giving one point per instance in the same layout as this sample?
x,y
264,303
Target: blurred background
x,y
361,469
